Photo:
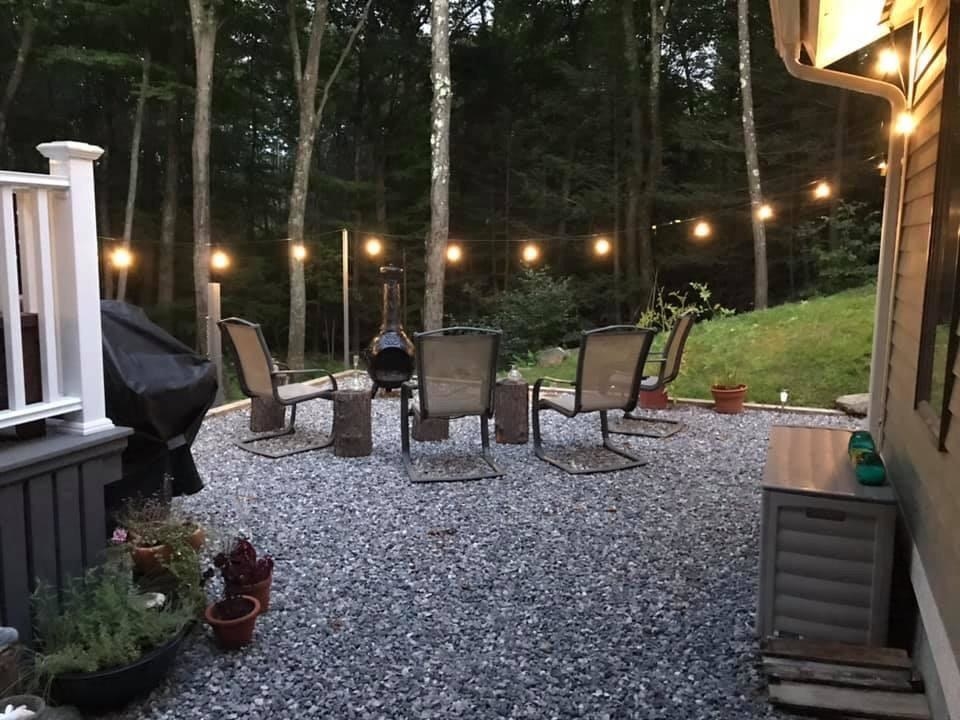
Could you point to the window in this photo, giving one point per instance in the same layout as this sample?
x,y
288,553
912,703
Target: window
x,y
938,339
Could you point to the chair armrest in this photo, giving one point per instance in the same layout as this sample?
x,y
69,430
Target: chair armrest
x,y
307,371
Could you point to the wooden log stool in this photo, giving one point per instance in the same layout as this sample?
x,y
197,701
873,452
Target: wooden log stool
x,y
512,412
352,432
266,415
431,429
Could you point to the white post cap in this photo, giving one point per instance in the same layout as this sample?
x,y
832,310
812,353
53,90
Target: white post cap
x,y
69,150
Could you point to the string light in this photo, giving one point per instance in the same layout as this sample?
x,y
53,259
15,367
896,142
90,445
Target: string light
x,y
121,258
373,247
882,167
764,212
905,123
822,190
888,62
454,253
299,252
531,253
702,230
602,247
219,260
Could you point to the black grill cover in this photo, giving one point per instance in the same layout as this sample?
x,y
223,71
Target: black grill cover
x,y
162,389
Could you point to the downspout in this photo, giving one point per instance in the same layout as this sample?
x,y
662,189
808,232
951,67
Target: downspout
x,y
890,227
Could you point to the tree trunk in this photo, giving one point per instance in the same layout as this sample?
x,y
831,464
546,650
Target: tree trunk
x,y
306,78
440,166
134,173
753,165
635,164
16,76
839,141
203,18
168,221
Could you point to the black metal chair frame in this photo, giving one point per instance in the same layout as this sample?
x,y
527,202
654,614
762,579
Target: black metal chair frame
x,y
633,424
630,460
278,379
406,412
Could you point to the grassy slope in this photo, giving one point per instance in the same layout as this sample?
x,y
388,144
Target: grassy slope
x,y
818,350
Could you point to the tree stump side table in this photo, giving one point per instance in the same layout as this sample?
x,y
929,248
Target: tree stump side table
x,y
352,432
431,429
512,412
266,415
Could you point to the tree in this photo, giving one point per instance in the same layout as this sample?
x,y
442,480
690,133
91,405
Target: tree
x,y
761,281
203,23
439,163
171,171
28,28
134,169
306,78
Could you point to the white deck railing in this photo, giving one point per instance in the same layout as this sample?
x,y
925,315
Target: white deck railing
x,y
49,266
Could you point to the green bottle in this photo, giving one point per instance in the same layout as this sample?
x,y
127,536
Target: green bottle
x,y
861,442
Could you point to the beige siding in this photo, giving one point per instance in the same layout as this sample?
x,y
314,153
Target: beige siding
x,y
927,480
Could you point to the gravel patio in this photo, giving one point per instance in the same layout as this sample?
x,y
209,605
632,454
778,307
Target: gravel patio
x,y
537,595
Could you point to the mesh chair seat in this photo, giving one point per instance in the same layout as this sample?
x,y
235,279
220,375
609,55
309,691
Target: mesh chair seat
x,y
563,404
260,379
456,373
298,392
609,374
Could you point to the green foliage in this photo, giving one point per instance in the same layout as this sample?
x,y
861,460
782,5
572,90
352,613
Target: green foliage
x,y
845,247
817,350
665,310
536,312
101,622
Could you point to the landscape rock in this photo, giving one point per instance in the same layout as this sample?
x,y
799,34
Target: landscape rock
x,y
551,357
857,405
8,636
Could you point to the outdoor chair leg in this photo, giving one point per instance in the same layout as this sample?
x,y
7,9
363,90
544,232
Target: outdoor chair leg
x,y
631,461
249,443
631,424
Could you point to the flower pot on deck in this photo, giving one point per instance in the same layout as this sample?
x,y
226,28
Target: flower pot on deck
x,y
728,399
233,620
150,559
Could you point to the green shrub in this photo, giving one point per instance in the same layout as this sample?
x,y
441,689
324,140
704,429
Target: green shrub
x,y
538,311
665,309
845,248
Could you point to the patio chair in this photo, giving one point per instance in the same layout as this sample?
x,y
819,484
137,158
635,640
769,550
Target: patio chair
x,y
456,377
609,370
668,363
260,378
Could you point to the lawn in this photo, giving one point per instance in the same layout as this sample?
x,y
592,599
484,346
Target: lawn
x,y
817,349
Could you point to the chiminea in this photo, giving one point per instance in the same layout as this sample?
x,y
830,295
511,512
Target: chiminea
x,y
390,355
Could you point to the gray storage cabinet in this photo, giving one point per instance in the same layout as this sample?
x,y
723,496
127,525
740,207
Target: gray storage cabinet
x,y
826,542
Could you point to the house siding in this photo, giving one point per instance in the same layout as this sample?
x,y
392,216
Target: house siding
x,y
926,478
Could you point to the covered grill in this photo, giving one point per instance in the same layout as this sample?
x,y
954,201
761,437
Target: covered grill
x,y
390,355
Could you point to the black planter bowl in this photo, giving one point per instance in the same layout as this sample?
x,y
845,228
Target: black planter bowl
x,y
112,689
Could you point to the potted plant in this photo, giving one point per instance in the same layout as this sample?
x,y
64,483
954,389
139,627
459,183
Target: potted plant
x,y
244,573
154,531
654,399
728,393
233,619
103,642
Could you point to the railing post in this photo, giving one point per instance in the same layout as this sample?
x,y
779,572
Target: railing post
x,y
77,273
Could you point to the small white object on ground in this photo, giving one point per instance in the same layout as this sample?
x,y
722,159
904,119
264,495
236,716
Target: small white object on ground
x,y
17,713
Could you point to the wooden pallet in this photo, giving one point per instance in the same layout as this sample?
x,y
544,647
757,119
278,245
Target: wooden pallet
x,y
835,679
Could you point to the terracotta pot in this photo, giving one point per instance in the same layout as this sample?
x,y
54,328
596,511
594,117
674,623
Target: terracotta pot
x,y
148,560
728,400
233,620
654,399
197,538
260,590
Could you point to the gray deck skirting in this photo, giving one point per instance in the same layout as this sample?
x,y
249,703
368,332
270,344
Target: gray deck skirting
x,y
52,517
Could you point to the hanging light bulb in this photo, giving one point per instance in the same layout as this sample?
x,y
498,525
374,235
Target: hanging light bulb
x,y
530,253
888,62
702,230
121,258
373,247
882,167
454,253
298,252
601,247
219,260
822,190
764,212
905,123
